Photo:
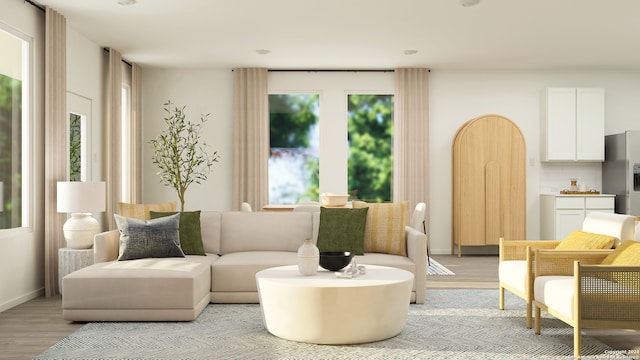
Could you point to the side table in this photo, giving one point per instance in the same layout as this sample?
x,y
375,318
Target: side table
x,y
70,260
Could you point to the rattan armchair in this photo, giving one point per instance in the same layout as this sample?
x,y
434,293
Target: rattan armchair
x,y
517,257
515,269
573,287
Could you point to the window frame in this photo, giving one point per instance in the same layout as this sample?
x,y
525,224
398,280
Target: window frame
x,y
333,87
27,126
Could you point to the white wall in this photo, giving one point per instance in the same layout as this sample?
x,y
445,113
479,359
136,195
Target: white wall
x,y
455,97
22,255
85,64
202,92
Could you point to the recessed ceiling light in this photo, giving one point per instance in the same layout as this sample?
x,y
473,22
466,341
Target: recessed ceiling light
x,y
410,52
126,2
263,51
468,3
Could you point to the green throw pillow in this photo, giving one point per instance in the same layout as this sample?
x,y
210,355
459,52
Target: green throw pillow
x,y
190,232
158,238
342,229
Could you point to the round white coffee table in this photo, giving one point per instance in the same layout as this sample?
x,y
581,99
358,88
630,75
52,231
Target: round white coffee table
x,y
324,309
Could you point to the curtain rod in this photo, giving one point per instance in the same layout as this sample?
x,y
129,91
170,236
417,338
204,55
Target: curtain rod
x,y
106,49
42,8
31,2
329,70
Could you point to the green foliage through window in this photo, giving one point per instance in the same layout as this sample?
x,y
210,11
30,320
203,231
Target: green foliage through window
x,y
75,147
294,148
370,134
10,152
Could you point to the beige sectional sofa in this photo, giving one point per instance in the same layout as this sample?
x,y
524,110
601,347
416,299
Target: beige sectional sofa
x,y
237,246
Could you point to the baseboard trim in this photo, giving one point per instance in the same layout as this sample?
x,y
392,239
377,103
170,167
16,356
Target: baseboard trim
x,y
21,299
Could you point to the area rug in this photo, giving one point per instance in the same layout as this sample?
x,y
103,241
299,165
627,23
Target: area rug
x,y
453,324
435,268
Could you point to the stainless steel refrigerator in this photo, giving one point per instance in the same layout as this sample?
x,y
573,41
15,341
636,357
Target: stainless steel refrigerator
x,y
621,171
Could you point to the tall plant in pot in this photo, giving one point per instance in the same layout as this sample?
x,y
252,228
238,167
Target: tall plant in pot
x,y
179,153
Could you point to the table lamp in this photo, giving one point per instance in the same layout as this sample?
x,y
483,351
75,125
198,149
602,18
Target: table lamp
x,y
81,199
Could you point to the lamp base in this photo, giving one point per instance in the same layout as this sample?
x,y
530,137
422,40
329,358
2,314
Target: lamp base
x,y
79,230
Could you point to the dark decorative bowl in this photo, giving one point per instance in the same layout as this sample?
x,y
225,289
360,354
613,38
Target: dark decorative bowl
x,y
335,260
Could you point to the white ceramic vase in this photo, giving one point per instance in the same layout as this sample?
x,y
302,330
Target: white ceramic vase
x,y
308,258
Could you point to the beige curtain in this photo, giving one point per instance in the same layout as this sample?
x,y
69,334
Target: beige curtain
x,y
112,136
135,186
56,143
411,138
250,137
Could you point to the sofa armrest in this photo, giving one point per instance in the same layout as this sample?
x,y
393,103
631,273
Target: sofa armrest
x,y
106,246
561,262
417,252
517,249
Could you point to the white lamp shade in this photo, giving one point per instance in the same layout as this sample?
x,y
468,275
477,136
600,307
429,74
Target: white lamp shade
x,y
81,197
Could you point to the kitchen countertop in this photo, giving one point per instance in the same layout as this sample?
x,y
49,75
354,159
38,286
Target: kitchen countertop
x,y
585,194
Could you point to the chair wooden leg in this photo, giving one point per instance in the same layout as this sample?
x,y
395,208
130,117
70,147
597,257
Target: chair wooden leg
x,y
501,304
529,315
577,341
537,323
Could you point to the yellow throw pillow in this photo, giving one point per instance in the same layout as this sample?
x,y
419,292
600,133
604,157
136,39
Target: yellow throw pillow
x,y
143,211
628,253
384,229
581,240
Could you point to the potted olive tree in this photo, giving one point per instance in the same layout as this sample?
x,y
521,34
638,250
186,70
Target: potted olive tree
x,y
178,152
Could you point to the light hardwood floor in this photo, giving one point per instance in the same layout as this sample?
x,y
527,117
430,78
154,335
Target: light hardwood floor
x,y
30,328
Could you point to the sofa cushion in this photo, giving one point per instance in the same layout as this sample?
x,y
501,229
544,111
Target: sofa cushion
x,y
210,227
628,253
264,231
156,238
236,272
579,240
190,234
160,283
513,273
342,229
143,211
556,292
384,230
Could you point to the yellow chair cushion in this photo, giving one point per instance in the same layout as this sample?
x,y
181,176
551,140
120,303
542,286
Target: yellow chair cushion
x,y
581,240
384,229
143,211
628,253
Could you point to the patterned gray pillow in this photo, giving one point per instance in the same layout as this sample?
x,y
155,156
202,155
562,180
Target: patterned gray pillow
x,y
157,238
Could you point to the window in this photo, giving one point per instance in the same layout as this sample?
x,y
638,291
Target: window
x,y
370,134
350,120
14,134
293,138
79,117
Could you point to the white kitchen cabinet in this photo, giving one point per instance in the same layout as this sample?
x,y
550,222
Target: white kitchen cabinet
x,y
562,214
574,124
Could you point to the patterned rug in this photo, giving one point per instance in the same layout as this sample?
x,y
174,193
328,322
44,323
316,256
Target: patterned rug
x,y
435,268
453,324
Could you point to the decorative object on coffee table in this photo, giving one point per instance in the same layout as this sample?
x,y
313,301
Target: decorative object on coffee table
x,y
80,199
335,260
308,258
179,153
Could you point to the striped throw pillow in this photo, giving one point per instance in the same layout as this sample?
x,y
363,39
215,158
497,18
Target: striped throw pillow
x,y
384,229
143,211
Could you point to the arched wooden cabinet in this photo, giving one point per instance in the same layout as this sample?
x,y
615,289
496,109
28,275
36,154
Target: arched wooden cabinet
x,y
489,183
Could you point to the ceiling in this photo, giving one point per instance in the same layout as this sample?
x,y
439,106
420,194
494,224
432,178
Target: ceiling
x,y
364,34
